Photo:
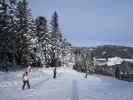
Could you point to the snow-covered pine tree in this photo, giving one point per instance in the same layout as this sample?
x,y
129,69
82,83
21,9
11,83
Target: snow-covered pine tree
x,y
55,41
77,53
7,32
84,60
42,38
31,36
22,40
67,54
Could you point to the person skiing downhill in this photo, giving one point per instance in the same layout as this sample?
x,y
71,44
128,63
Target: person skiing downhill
x,y
25,80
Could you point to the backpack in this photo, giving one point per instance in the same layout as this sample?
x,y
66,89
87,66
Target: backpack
x,y
23,75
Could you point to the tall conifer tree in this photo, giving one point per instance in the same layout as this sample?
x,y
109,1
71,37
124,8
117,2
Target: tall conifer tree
x,y
7,32
54,40
22,41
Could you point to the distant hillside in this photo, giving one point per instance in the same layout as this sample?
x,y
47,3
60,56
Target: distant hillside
x,y
107,51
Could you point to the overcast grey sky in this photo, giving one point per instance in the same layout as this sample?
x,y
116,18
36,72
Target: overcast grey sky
x,y
90,22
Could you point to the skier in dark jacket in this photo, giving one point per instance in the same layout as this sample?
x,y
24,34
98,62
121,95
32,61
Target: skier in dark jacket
x,y
117,73
54,72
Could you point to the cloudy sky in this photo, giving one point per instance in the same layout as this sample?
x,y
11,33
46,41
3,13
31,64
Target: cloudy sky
x,y
90,22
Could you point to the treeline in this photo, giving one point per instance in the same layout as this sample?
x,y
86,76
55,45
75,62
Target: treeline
x,y
25,40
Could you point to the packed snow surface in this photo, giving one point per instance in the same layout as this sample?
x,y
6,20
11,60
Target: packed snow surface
x,y
69,85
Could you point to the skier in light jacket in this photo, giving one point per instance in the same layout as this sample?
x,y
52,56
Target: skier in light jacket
x,y
25,80
29,69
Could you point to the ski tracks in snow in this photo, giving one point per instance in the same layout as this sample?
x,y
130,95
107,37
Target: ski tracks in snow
x,y
9,84
38,84
75,92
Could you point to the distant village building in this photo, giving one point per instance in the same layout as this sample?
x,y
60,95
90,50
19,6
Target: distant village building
x,y
114,61
111,65
99,61
125,70
111,61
